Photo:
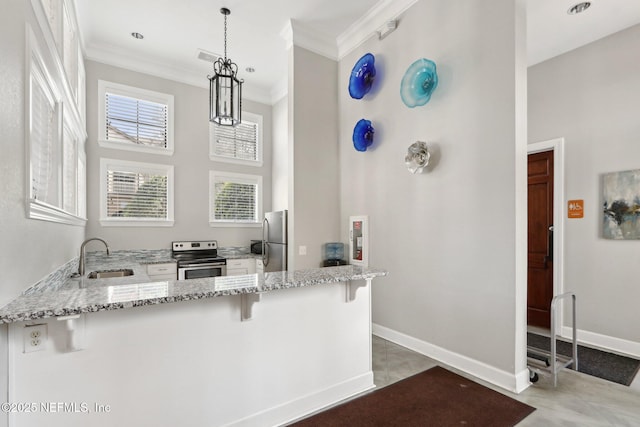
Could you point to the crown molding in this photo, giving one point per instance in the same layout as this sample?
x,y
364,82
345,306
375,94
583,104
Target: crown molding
x,y
370,23
298,34
108,56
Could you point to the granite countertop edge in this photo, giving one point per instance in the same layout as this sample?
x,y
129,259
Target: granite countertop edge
x,y
72,296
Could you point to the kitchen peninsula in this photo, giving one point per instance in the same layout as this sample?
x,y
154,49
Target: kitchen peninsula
x,y
307,345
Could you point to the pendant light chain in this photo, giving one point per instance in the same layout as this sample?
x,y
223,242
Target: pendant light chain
x,y
225,37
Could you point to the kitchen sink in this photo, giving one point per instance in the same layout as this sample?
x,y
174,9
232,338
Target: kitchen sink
x,y
105,274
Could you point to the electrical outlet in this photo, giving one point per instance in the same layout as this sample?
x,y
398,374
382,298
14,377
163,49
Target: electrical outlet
x,y
35,338
302,250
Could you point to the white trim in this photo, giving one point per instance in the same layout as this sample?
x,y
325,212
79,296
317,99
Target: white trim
x,y
605,342
255,119
369,24
137,167
137,93
298,34
107,55
313,402
241,178
515,382
557,145
45,212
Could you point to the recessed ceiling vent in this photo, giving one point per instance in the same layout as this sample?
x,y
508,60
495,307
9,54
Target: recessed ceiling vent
x,y
207,56
579,8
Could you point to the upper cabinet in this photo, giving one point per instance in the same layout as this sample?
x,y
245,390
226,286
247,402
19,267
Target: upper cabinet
x,y
55,115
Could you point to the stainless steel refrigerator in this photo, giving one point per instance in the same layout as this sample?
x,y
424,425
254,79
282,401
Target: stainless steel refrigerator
x,y
274,241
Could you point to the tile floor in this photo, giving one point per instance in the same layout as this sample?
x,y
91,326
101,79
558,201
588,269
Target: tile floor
x,y
579,399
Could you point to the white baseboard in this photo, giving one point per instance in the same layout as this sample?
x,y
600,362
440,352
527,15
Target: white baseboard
x,y
508,381
305,405
605,342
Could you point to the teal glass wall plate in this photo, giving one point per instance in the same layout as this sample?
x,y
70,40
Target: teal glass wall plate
x,y
418,83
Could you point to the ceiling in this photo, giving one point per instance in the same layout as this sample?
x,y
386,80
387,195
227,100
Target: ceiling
x,y
175,31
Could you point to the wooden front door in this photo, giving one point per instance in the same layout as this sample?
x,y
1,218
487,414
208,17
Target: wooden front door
x,y
540,235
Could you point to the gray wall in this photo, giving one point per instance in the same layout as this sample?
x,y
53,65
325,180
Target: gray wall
x,y
280,156
590,97
313,156
31,249
449,237
190,159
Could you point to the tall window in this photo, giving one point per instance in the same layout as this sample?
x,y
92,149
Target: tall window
x,y
240,144
135,119
234,199
55,147
134,194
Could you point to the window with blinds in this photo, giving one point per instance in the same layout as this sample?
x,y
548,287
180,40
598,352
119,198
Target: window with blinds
x,y
235,198
44,141
133,192
56,134
135,119
237,144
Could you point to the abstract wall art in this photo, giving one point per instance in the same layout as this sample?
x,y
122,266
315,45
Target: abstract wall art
x,y
621,191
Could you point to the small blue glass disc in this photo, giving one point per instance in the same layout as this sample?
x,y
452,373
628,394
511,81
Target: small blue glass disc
x,y
362,135
362,76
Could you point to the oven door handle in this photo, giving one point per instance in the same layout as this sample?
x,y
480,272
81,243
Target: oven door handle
x,y
201,266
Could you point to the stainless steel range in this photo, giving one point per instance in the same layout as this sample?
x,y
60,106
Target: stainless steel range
x,y
198,259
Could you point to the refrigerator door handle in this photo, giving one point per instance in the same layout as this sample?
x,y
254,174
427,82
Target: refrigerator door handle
x,y
265,233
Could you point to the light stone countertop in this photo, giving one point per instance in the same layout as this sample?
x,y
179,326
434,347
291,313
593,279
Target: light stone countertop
x,y
68,296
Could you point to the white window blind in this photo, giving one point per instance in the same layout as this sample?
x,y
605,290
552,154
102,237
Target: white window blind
x,y
44,142
135,121
237,144
136,192
69,172
235,198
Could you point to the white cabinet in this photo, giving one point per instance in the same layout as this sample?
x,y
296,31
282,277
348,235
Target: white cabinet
x,y
259,266
166,271
237,267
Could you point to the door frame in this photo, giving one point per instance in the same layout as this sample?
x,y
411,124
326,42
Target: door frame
x,y
557,146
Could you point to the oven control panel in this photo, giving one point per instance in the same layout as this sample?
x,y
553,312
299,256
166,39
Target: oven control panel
x,y
202,245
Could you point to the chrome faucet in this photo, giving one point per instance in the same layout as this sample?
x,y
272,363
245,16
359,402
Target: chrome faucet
x,y
81,263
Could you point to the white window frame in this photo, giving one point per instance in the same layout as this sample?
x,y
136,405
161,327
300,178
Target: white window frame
x,y
105,87
215,176
246,117
38,73
135,167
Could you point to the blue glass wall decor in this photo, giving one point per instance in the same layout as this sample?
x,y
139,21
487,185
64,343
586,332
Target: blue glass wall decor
x,y
418,83
362,135
362,76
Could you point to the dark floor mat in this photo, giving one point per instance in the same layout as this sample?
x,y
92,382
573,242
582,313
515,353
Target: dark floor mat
x,y
598,363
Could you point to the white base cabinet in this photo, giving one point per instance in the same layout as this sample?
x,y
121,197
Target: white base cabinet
x,y
166,271
238,267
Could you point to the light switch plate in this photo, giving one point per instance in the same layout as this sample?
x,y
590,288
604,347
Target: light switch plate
x,y
302,250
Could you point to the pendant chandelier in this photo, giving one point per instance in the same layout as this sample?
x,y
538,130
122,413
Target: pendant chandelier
x,y
225,90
